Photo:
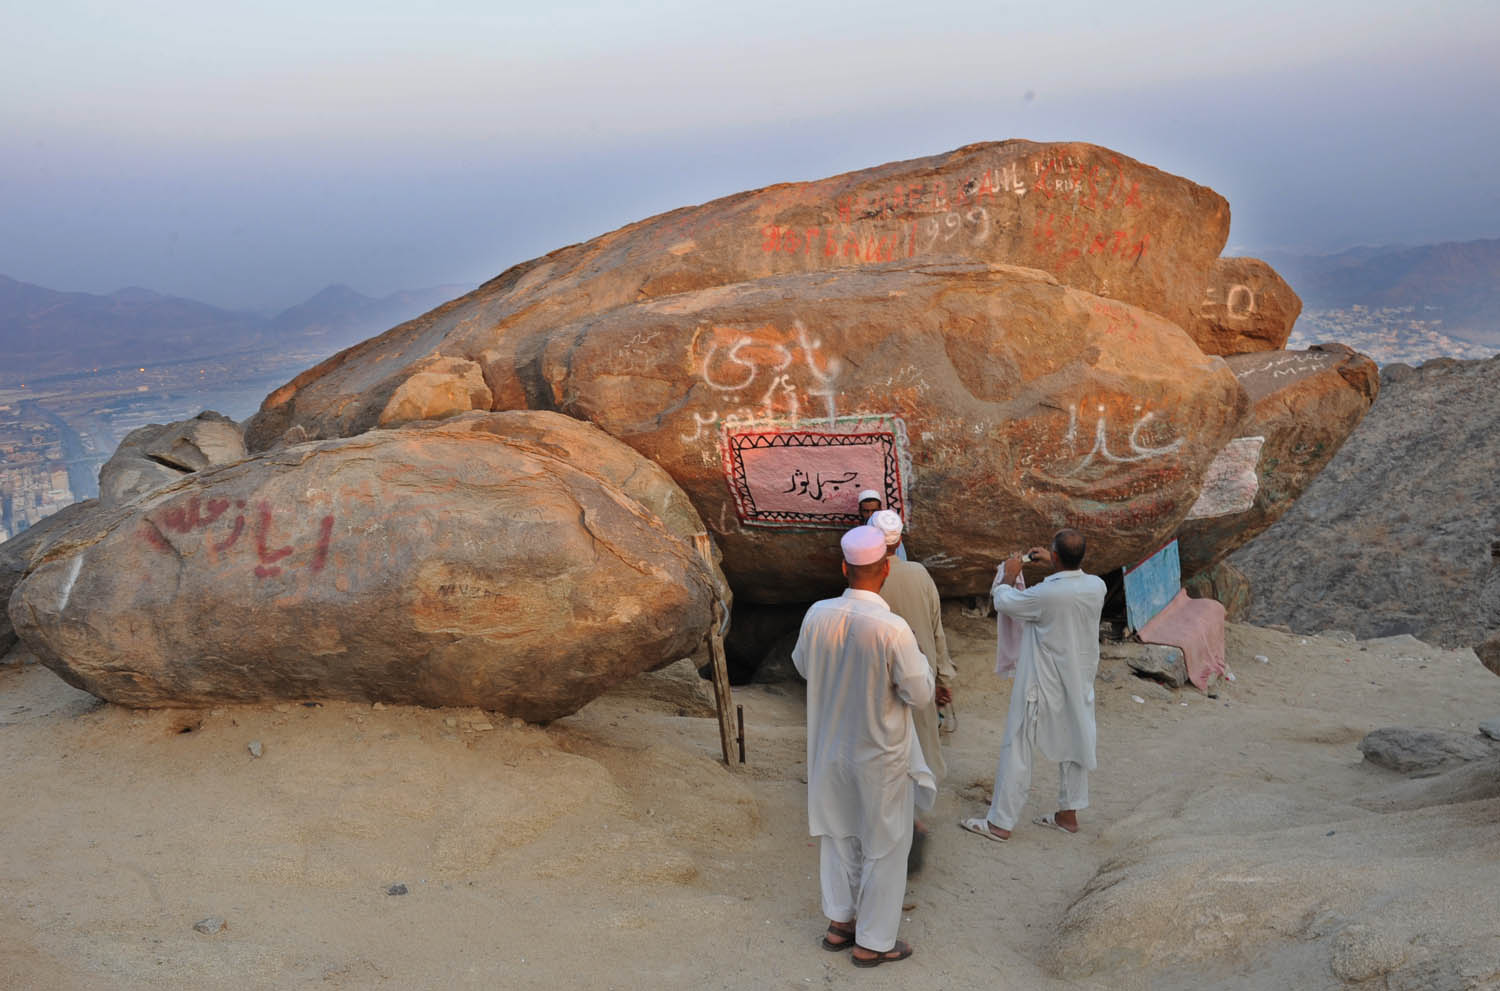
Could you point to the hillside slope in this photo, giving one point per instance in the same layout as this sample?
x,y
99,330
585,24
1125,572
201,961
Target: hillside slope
x,y
1396,535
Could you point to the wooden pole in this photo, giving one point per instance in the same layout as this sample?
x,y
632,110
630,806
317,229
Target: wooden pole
x,y
723,699
739,715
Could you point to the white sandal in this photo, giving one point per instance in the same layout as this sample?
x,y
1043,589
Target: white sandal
x,y
981,825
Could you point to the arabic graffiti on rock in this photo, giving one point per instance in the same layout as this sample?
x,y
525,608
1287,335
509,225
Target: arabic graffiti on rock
x,y
199,518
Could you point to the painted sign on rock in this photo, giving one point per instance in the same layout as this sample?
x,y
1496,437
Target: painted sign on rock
x,y
785,476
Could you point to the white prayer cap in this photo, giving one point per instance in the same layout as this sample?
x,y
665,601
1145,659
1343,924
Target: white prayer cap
x,y
870,494
888,522
863,545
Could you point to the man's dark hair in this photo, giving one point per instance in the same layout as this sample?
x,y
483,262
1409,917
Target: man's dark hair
x,y
1068,546
864,572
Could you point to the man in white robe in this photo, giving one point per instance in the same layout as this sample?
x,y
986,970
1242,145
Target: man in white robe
x,y
865,768
912,594
1052,701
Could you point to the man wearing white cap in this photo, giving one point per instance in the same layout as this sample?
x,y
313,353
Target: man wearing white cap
x,y
864,768
911,593
871,503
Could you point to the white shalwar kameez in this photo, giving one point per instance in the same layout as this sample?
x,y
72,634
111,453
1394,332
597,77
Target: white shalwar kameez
x,y
865,769
1052,701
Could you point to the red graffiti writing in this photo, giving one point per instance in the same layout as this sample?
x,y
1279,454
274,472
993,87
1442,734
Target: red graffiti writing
x,y
829,244
1086,185
196,514
1071,238
1119,321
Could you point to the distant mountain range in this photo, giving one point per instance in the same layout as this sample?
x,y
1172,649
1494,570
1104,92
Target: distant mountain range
x,y
1458,283
44,332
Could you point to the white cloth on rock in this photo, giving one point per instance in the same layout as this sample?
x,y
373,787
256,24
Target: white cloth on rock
x,y
1007,635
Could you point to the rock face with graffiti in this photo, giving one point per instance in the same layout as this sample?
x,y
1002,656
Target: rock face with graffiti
x,y
1096,219
999,341
521,562
984,402
1303,404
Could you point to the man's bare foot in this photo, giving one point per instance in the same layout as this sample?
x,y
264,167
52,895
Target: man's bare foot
x,y
1064,819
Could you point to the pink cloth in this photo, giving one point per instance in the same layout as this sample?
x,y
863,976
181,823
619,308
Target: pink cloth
x,y
1196,626
1008,639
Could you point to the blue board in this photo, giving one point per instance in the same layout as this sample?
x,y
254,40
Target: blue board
x,y
1150,585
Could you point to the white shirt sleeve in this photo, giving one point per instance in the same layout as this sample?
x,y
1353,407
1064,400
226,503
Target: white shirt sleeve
x,y
910,672
1022,604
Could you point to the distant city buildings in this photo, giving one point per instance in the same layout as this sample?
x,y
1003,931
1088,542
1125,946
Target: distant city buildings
x,y
1388,334
33,468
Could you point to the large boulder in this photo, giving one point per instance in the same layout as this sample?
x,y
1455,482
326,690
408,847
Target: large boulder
x,y
1395,534
1488,652
157,455
991,405
19,553
445,564
1423,751
1246,307
1304,405
1226,585
1094,218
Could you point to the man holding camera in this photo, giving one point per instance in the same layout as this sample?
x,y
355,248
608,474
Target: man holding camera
x,y
1052,701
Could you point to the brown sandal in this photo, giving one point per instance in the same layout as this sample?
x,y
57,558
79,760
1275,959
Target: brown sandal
x,y
834,929
900,951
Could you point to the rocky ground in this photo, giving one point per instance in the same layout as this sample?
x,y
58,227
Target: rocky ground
x,y
1401,532
1235,842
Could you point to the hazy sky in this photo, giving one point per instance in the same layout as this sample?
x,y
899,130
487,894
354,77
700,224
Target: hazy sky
x,y
250,156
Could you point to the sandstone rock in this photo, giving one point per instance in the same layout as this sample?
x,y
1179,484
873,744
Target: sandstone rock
x,y
1096,219
1246,307
1227,585
153,456
444,565
437,387
1415,751
678,688
19,552
1304,404
1151,660
191,445
990,405
1363,952
1489,652
130,474
1476,781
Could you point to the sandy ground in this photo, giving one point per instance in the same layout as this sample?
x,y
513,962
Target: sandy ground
x,y
612,849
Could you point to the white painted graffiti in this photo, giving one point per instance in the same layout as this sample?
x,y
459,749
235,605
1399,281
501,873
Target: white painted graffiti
x,y
1237,305
1100,451
1288,365
751,359
941,560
